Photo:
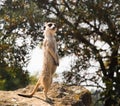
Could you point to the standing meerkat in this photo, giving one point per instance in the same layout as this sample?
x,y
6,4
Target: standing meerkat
x,y
50,60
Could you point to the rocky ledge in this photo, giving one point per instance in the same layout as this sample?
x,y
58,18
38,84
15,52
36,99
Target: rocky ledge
x,y
61,95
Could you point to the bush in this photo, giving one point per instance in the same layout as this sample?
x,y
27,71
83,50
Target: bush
x,y
12,78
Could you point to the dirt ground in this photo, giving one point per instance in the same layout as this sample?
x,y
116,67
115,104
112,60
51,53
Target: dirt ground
x,y
60,95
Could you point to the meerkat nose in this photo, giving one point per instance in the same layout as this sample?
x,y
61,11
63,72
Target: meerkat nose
x,y
53,27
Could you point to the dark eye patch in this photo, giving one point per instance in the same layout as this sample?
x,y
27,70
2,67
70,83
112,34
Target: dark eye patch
x,y
49,25
55,25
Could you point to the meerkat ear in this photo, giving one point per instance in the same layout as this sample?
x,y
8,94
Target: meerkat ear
x,y
44,28
45,23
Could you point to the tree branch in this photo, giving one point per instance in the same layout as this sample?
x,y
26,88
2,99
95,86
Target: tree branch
x,y
93,48
96,30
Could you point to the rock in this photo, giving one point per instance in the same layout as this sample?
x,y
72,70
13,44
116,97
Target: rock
x,y
71,95
61,95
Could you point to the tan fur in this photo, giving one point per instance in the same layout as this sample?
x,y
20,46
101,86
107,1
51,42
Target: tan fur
x,y
50,61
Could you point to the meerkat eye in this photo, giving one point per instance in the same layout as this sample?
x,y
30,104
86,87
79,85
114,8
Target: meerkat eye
x,y
55,25
49,25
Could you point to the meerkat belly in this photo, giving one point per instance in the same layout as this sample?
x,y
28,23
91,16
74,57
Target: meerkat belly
x,y
48,63
48,59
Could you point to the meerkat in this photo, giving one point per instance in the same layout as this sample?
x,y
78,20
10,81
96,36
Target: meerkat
x,y
50,60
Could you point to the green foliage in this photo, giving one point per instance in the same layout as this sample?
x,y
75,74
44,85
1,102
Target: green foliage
x,y
82,24
12,78
14,46
33,79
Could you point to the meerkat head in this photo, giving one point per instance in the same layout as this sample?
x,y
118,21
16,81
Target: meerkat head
x,y
50,28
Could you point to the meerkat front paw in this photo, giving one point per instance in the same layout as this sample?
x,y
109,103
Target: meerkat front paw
x,y
56,63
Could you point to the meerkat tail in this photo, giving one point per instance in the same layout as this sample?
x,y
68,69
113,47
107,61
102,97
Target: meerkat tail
x,y
25,95
32,93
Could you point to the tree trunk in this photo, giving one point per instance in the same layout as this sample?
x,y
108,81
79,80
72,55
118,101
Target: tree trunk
x,y
109,102
113,68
